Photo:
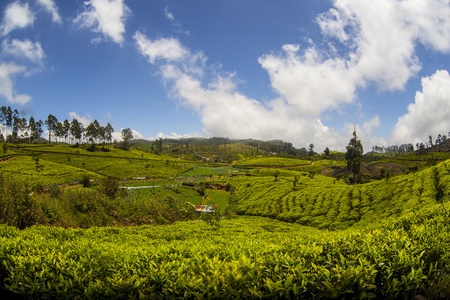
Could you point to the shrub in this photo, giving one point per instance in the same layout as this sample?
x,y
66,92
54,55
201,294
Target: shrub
x,y
86,181
110,187
18,206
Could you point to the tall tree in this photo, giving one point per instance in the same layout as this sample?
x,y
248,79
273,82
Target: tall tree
x,y
76,129
311,149
35,129
59,131
51,124
91,132
127,135
354,157
108,132
66,129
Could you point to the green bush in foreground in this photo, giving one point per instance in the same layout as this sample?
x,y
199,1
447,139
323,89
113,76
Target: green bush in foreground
x,y
106,206
247,257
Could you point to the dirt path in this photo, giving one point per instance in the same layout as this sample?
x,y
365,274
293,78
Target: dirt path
x,y
8,158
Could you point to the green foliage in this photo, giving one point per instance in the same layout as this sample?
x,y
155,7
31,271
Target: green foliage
x,y
213,215
325,202
23,169
17,206
246,257
272,162
86,181
110,187
354,157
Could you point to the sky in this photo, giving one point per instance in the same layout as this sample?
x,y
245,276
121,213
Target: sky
x,y
301,71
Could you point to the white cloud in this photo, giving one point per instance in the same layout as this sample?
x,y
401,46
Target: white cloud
x,y
223,110
364,133
168,14
51,7
16,16
371,42
7,71
117,135
23,49
429,114
105,16
85,120
168,49
309,83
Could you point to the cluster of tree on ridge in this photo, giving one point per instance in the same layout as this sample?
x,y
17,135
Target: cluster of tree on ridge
x,y
408,148
21,129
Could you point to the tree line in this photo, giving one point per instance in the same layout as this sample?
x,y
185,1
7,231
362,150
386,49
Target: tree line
x,y
74,132
19,129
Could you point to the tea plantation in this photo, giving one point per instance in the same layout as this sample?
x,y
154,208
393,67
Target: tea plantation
x,y
284,231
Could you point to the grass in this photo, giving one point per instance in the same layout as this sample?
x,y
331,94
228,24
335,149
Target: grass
x,y
272,162
25,169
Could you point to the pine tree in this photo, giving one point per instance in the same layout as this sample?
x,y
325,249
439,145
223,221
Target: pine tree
x,y
354,157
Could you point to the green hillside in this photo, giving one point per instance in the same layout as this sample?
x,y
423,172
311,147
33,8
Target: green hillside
x,y
330,203
58,164
247,258
285,227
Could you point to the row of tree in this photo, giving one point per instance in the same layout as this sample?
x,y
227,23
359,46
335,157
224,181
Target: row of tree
x,y
407,148
19,129
441,138
402,149
74,132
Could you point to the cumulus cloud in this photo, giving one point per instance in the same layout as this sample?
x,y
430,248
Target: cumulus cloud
x,y
117,135
366,42
106,17
51,8
85,120
222,108
428,115
15,16
7,72
168,49
309,83
23,49
375,42
364,132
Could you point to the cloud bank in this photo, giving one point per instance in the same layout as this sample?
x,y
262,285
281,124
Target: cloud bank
x,y
366,43
428,115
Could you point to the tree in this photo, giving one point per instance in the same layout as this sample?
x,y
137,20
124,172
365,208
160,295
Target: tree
x,y
127,135
92,131
51,124
354,156
76,129
311,149
327,151
108,132
35,129
66,129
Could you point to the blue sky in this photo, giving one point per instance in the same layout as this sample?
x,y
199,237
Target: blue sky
x,y
302,71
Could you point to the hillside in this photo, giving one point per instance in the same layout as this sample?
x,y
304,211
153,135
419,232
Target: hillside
x,y
331,203
284,227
